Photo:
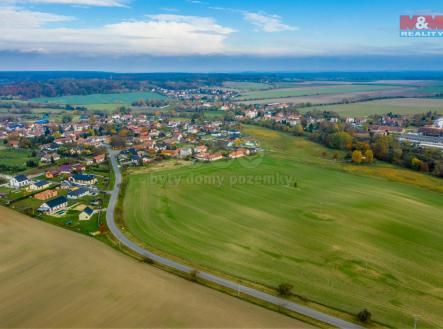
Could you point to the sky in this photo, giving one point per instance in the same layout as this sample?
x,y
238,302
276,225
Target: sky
x,y
214,35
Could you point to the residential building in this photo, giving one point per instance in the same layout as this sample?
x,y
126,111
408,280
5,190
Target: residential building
x,y
54,205
39,185
45,195
19,181
83,179
78,193
86,214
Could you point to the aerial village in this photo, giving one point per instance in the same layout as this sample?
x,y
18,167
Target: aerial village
x,y
64,174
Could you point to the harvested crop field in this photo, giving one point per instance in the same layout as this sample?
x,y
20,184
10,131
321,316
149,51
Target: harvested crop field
x,y
50,277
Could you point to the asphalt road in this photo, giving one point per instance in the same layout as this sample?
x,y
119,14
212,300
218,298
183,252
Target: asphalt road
x,y
241,289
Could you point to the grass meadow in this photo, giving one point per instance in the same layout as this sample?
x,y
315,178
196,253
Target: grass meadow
x,y
117,98
308,91
347,240
396,105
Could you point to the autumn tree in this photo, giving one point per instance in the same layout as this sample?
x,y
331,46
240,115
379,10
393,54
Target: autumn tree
x,y
381,147
357,156
369,156
117,141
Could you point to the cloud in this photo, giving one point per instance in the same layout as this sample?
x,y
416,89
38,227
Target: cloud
x,y
98,3
165,34
268,23
13,18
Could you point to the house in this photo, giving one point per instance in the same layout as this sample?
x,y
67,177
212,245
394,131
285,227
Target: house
x,y
99,158
65,185
201,149
83,179
169,153
54,205
251,114
49,157
78,193
185,152
45,195
238,153
52,173
14,143
39,185
86,214
19,181
214,157
65,169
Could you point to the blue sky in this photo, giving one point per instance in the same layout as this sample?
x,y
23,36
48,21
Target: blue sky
x,y
213,35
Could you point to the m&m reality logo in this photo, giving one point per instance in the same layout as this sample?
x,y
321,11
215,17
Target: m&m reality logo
x,y
421,26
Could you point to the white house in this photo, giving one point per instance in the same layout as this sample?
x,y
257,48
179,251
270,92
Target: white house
x,y
86,214
439,122
19,181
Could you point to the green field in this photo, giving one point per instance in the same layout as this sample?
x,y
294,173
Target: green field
x,y
396,105
308,91
246,86
14,159
348,241
118,98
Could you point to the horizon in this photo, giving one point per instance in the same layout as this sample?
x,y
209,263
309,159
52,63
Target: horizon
x,y
212,36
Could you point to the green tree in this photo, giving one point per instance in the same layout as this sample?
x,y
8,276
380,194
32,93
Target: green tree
x,y
364,316
66,118
341,140
381,147
285,289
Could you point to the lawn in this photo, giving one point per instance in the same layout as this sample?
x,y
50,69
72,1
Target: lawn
x,y
308,91
119,98
396,105
348,241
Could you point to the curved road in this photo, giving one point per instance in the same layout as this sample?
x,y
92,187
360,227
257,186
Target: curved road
x,y
291,306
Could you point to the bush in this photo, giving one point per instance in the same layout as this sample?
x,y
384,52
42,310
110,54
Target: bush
x,y
284,289
364,316
148,260
193,275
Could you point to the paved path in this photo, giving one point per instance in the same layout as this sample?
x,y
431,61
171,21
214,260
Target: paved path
x,y
110,220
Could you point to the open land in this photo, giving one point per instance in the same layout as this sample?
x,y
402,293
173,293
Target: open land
x,y
346,238
309,91
396,106
118,98
331,98
70,280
